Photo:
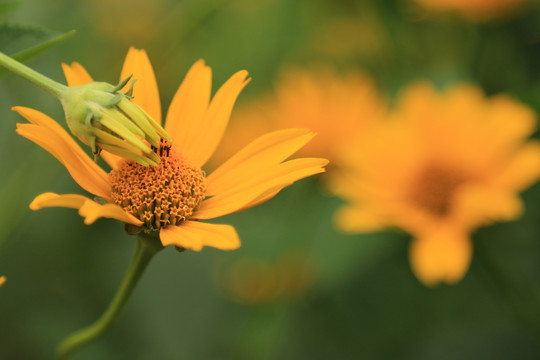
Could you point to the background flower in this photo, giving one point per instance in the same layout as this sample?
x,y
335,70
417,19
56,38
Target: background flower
x,y
337,106
457,161
475,9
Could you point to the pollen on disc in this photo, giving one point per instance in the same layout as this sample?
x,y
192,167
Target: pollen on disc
x,y
161,195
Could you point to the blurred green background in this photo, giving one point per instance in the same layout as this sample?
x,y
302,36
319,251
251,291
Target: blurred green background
x,y
346,297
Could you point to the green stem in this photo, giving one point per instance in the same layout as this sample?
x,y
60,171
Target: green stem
x,y
54,88
145,250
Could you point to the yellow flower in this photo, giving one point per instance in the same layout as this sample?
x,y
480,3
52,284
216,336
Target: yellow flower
x,y
338,107
442,165
173,196
250,280
2,280
474,9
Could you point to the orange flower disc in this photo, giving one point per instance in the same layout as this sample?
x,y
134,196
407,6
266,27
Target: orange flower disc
x,y
163,195
435,188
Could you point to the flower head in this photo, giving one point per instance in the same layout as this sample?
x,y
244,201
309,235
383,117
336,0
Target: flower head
x,y
171,198
2,280
251,280
474,9
442,165
339,107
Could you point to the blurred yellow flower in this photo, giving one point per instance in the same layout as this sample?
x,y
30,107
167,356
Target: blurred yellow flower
x,y
115,19
337,107
474,9
250,280
2,280
442,165
173,196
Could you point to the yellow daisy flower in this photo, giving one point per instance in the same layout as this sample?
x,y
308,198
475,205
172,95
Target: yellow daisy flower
x,y
173,196
442,165
250,280
474,9
339,107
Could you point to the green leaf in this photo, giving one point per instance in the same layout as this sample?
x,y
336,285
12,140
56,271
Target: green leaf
x,y
25,41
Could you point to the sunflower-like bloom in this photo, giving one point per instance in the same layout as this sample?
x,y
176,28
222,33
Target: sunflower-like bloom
x,y
250,280
336,106
173,196
474,9
442,165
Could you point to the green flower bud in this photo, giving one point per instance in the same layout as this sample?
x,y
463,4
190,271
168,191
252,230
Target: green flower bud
x,y
105,118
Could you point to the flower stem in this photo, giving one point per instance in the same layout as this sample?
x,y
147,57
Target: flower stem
x,y
54,88
147,246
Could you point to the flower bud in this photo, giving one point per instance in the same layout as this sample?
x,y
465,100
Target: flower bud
x,y
105,118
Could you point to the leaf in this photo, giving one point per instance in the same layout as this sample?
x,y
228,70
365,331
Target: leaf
x,y
25,41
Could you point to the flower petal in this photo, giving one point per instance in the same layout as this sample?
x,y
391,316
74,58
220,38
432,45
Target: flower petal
x,y
40,119
268,181
52,137
145,91
194,235
92,211
89,178
264,197
111,159
442,255
188,106
49,199
480,204
265,151
523,168
207,134
76,74
88,208
351,219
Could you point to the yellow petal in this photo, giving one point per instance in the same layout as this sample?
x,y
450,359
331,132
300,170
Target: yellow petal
x,y
53,138
49,199
76,74
40,119
268,180
441,255
88,208
189,105
2,280
523,168
208,132
194,235
480,204
264,197
111,159
145,91
504,135
351,219
92,211
89,178
265,151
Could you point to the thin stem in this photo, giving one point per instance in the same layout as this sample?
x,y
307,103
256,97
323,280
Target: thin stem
x,y
145,250
54,88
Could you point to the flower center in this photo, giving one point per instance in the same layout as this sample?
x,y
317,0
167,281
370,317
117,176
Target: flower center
x,y
161,195
434,189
